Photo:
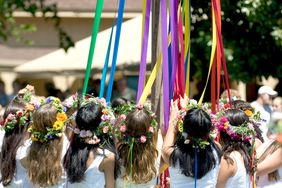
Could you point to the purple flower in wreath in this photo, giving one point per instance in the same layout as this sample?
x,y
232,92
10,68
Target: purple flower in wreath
x,y
105,117
48,100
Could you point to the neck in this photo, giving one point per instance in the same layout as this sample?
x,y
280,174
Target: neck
x,y
259,101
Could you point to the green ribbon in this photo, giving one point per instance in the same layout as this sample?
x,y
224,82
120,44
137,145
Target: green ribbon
x,y
131,159
95,29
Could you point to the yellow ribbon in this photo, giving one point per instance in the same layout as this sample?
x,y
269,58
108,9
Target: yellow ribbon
x,y
187,44
212,55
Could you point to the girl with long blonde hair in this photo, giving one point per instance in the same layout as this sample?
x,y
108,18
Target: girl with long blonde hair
x,y
136,142
43,163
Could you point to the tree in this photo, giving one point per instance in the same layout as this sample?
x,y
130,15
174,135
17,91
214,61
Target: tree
x,y
252,38
10,29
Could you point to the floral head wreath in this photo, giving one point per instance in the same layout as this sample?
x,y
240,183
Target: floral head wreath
x,y
120,129
200,143
22,116
244,132
56,129
105,127
18,119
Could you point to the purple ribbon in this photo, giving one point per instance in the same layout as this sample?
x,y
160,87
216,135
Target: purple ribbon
x,y
142,71
165,64
174,40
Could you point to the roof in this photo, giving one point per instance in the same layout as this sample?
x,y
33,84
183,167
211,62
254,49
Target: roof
x,y
89,5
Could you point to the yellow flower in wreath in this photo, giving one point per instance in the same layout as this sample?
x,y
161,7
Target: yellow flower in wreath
x,y
58,125
249,113
61,117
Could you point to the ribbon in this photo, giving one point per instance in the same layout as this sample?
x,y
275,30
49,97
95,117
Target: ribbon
x,y
196,168
142,71
95,29
105,69
115,53
174,40
212,56
187,7
166,97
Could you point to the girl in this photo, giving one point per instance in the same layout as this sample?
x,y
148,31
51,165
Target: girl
x,y
137,132
43,162
192,155
87,164
14,145
236,134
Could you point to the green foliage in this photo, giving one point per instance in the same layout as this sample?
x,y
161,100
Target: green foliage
x,y
252,38
10,29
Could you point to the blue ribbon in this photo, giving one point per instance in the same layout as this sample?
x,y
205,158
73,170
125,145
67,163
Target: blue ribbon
x,y
196,167
115,53
106,64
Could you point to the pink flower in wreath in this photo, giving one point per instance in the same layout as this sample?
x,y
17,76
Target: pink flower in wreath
x,y
10,117
76,131
151,129
122,128
19,113
139,106
122,116
105,129
143,139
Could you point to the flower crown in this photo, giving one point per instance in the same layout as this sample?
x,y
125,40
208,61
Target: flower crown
x,y
200,143
56,129
27,93
120,129
244,132
104,128
18,119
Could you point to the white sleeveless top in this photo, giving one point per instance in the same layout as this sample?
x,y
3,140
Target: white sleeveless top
x,y
120,183
263,181
93,177
179,180
20,179
241,179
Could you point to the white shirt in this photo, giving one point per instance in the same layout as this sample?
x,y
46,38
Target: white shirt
x,y
179,180
241,179
264,115
93,177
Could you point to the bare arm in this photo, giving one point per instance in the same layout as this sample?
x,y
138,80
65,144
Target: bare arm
x,y
108,167
271,163
170,137
226,171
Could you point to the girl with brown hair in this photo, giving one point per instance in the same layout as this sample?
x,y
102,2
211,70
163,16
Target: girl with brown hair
x,y
136,142
15,143
43,162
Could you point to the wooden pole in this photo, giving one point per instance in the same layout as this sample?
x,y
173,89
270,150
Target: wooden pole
x,y
156,95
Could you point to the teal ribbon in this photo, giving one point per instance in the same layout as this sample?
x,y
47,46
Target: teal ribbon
x,y
106,64
196,167
95,29
115,53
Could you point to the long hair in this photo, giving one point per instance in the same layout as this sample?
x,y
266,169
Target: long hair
x,y
44,159
273,176
236,118
144,154
75,161
243,105
11,142
196,124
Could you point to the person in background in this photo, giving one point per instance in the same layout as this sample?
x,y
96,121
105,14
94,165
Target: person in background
x,y
263,106
16,88
3,96
123,91
277,104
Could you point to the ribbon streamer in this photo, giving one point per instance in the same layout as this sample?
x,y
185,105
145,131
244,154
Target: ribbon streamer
x,y
115,53
95,29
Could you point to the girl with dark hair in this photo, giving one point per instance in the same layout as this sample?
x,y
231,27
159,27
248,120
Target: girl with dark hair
x,y
86,162
193,156
236,135
43,162
15,143
249,111
137,141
